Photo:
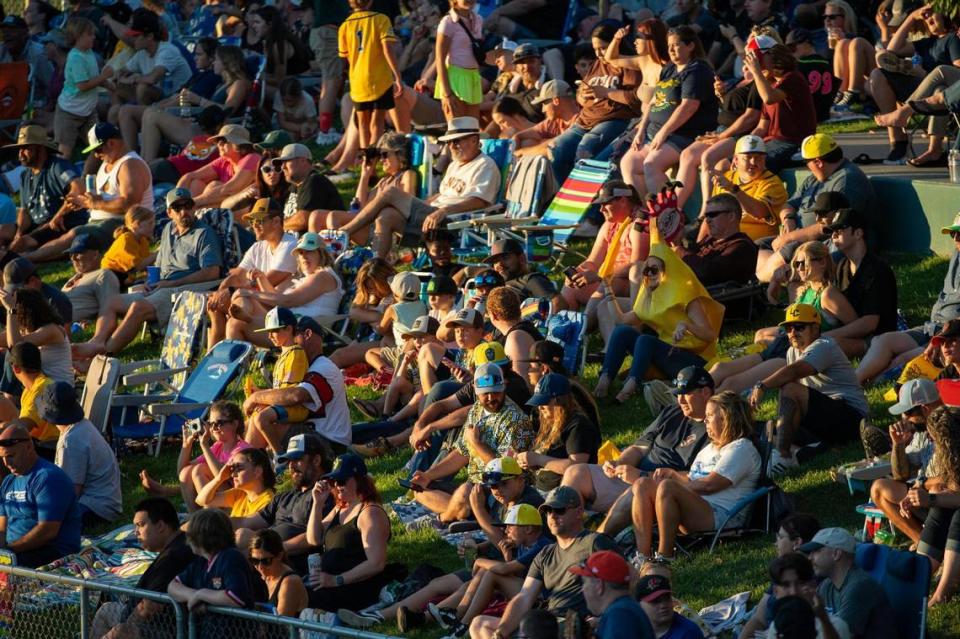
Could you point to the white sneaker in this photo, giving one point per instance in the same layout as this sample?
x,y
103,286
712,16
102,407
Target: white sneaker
x,y
780,465
330,137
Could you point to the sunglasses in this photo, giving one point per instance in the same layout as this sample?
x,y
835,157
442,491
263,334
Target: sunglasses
x,y
181,206
556,512
486,280
916,411
792,328
13,441
219,423
236,468
650,271
261,561
799,264
267,169
836,230
495,479
712,214
339,483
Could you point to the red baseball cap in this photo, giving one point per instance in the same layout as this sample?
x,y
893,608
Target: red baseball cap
x,y
949,391
605,565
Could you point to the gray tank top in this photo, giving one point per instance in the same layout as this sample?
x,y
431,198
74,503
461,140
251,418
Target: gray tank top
x,y
56,361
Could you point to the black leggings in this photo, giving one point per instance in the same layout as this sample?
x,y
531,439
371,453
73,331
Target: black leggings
x,y
941,531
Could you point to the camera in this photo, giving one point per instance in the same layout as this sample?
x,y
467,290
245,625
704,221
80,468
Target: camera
x,y
195,426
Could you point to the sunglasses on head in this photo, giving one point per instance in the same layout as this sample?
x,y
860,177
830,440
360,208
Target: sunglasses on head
x,y
261,561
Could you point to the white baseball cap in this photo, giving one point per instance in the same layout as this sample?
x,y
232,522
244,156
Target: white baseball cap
x,y
918,391
751,144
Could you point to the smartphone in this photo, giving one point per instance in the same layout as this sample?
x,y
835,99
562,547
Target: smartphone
x,y
409,485
449,363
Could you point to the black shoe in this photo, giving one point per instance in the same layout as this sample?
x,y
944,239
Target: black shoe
x,y
446,617
457,631
897,155
875,441
408,619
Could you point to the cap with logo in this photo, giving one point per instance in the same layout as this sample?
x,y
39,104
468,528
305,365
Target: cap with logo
x,y
490,353
277,318
99,134
692,378
232,134
836,538
828,202
547,352
263,208
652,587
550,387
526,50
16,273
846,218
817,145
461,127
761,43
507,246
31,135
405,286
605,565
751,144
469,317
553,89
346,466
177,195
274,140
561,497
441,285
950,330
85,242
953,227
303,444
488,378
294,152
612,189
422,326
521,515
801,314
919,391
309,241
498,469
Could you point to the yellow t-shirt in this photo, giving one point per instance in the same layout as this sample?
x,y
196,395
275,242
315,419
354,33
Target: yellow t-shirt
x,y
769,189
359,40
291,367
243,507
43,431
125,253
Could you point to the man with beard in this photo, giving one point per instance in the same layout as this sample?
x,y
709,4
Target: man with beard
x,y
508,258
307,457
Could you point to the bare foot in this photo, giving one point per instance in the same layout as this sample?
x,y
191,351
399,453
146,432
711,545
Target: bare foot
x,y
88,350
938,599
896,118
629,390
602,389
151,485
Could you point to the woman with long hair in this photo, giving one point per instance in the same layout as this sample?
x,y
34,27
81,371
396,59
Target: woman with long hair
x,y
252,477
853,55
940,537
723,472
650,40
458,85
315,292
159,124
285,588
354,536
372,299
684,107
30,318
566,435
286,54
674,323
270,182
812,276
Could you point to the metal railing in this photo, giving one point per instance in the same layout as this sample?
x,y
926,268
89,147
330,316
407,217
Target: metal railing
x,y
43,605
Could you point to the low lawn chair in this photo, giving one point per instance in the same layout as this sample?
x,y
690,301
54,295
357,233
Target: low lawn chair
x,y
184,333
207,383
98,390
905,577
569,329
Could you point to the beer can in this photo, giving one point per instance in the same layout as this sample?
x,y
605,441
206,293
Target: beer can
x,y
91,184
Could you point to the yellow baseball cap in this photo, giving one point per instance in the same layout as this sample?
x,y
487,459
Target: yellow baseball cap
x,y
817,145
522,515
489,353
801,314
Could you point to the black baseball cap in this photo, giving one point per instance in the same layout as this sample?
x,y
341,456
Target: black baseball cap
x,y
692,378
16,273
547,352
504,247
612,189
346,466
306,322
144,22
844,218
441,285
828,202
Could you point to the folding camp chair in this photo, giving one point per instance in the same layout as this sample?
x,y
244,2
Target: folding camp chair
x,y
206,384
98,390
905,577
16,97
742,301
569,329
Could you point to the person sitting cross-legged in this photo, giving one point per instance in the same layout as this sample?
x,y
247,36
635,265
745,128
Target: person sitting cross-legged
x,y
820,399
189,259
724,471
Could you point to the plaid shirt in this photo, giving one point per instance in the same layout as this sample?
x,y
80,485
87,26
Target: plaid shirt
x,y
506,432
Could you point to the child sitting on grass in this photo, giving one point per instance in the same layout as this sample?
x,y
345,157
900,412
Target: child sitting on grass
x,y
290,369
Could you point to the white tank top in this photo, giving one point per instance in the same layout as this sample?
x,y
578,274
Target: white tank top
x,y
108,187
325,304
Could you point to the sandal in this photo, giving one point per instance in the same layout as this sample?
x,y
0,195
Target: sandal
x,y
892,63
938,162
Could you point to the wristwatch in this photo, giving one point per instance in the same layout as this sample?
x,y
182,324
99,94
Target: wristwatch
x,y
339,580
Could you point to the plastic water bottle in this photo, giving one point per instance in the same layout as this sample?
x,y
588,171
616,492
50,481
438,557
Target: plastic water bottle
x,y
953,163
916,60
354,206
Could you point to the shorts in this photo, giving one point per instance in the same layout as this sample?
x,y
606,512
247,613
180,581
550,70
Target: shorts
x,y
678,142
606,490
903,85
828,420
162,299
777,349
384,103
42,233
291,414
68,127
465,84
920,335
323,42
164,172
103,229
392,355
413,230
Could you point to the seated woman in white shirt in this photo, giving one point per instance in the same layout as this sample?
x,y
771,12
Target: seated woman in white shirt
x,y
723,472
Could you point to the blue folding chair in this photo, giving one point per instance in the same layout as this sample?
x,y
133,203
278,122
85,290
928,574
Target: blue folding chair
x,y
905,577
206,384
569,329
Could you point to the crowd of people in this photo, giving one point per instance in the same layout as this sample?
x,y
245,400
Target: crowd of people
x,y
165,140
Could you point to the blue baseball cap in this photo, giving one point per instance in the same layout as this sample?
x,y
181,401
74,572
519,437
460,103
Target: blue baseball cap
x,y
346,466
85,242
550,387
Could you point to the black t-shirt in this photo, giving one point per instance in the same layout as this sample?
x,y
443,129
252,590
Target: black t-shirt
x,y
526,97
579,435
738,100
533,285
171,561
561,588
290,509
674,439
936,51
316,192
517,390
872,290
694,82
823,86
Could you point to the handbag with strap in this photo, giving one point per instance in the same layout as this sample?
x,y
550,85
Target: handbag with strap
x,y
479,51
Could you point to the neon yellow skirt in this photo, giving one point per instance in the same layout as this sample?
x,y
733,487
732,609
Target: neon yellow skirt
x,y
465,84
